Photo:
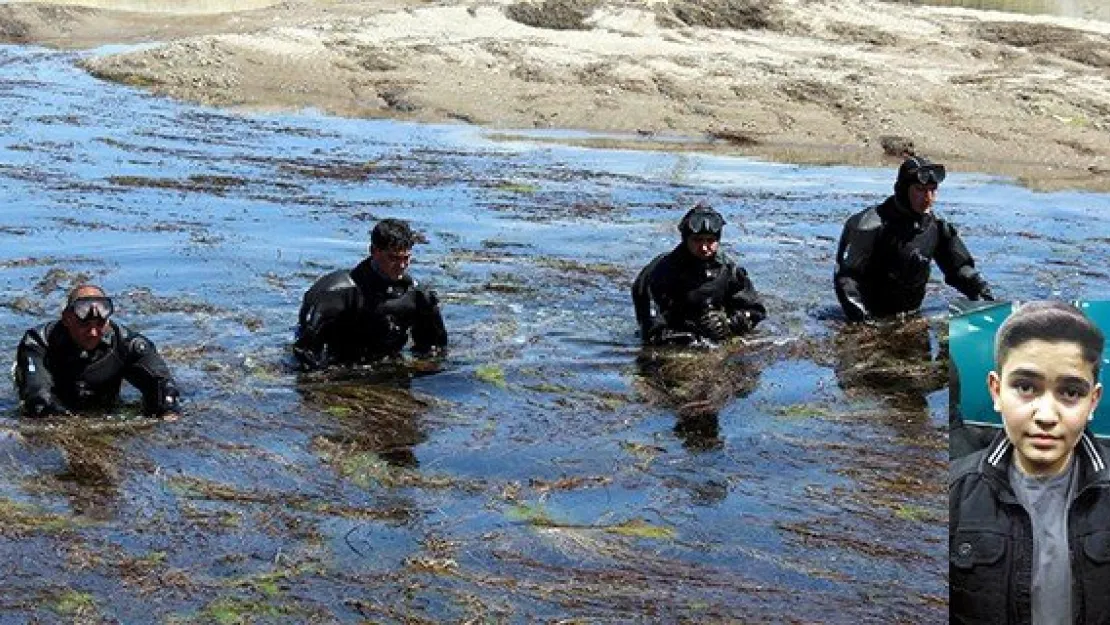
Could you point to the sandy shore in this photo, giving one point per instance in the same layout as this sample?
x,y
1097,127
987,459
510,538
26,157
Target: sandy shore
x,y
816,81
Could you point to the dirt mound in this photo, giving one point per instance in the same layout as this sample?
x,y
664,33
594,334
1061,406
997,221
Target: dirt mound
x,y
1086,48
553,14
22,23
1025,34
724,14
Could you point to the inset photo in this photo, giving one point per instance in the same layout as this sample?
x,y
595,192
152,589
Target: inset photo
x,y
1029,507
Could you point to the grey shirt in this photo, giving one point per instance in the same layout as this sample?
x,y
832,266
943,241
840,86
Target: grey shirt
x,y
1046,500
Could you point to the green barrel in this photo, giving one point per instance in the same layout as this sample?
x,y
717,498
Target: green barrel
x,y
971,345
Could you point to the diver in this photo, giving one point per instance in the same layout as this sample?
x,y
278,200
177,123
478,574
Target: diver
x,y
80,362
367,313
695,292
886,252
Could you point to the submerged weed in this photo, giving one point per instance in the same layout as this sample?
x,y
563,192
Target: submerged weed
x,y
75,603
17,518
641,529
518,187
235,611
491,374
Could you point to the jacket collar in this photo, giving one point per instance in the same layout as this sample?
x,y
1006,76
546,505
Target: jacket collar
x,y
892,210
1088,454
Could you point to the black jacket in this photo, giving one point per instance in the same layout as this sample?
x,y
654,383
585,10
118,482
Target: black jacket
x,y
990,542
359,315
53,373
682,288
885,256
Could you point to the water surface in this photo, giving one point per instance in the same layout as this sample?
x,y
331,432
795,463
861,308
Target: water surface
x,y
547,468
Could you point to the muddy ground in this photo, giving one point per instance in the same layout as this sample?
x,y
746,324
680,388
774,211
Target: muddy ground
x,y
817,81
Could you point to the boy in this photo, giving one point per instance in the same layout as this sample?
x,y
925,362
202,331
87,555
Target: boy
x,y
1029,517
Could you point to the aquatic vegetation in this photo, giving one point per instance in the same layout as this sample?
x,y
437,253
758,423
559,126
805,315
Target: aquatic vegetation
x,y
17,519
637,528
237,611
517,187
76,604
491,374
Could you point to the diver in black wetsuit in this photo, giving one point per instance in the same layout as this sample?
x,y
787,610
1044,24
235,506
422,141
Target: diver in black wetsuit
x,y
695,291
886,252
80,362
368,312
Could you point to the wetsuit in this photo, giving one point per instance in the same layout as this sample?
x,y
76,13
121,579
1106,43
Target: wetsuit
x,y
53,374
360,315
683,288
885,256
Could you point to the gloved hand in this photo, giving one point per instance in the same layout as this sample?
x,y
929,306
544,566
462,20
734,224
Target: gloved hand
x,y
45,407
714,325
985,293
855,310
167,400
651,333
741,322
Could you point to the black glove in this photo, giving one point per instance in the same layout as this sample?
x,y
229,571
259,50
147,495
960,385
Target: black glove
x,y
714,325
985,293
44,407
167,399
651,333
855,309
741,322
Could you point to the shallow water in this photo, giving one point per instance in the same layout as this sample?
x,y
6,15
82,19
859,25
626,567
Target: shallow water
x,y
540,471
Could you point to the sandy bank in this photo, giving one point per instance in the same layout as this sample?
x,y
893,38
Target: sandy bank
x,y
798,80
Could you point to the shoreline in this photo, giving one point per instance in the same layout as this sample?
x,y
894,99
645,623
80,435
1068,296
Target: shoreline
x,y
856,83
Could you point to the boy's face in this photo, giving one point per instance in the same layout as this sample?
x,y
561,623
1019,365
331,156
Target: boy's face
x,y
1046,393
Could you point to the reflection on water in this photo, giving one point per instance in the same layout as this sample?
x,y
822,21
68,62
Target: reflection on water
x,y
181,7
1087,9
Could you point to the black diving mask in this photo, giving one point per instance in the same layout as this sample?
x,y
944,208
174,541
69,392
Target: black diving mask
x,y
88,309
704,222
933,173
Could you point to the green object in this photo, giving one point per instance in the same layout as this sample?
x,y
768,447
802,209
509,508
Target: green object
x,y
971,344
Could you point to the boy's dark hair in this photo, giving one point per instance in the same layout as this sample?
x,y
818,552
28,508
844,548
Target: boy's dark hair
x,y
392,234
1054,322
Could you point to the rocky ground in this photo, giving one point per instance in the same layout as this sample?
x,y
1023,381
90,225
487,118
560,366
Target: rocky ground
x,y
816,81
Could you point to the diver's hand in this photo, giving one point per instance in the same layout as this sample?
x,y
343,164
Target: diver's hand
x,y
41,407
714,325
741,322
651,333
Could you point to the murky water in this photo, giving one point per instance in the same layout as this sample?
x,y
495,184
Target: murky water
x,y
1086,9
547,468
